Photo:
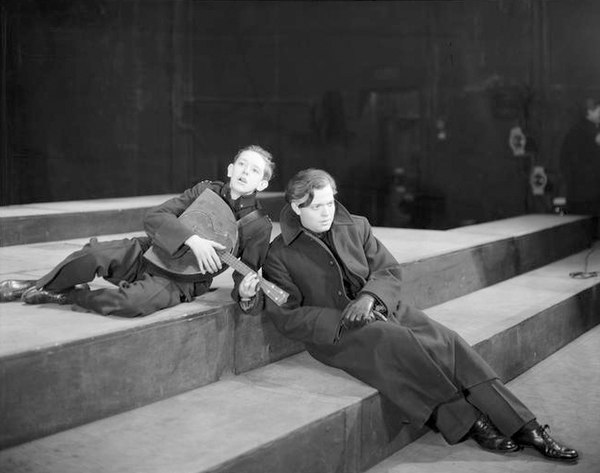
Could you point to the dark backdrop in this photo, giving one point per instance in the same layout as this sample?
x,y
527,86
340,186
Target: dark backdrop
x,y
408,104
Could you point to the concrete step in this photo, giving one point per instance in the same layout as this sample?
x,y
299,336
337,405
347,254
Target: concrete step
x,y
296,415
100,366
52,221
439,266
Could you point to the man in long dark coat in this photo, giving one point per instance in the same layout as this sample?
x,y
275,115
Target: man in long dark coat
x,y
345,305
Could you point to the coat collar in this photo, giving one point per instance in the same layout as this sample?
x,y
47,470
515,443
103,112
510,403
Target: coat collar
x,y
291,226
242,202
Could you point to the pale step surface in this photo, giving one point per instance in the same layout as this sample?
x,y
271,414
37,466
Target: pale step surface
x,y
193,344
64,346
201,429
55,221
408,245
563,391
94,205
24,328
483,313
517,226
90,205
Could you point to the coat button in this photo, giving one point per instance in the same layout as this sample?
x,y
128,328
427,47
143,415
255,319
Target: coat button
x,y
340,293
330,263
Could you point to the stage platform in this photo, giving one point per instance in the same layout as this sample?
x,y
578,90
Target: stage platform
x,y
51,221
201,387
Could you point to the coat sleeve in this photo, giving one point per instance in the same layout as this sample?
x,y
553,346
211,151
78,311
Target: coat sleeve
x,y
161,222
254,243
308,324
385,274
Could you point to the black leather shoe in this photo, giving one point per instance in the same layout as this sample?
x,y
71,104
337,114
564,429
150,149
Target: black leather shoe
x,y
13,289
539,438
42,296
490,438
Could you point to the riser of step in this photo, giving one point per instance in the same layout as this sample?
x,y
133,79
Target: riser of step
x,y
513,310
33,223
506,248
56,387
118,364
562,236
53,227
298,415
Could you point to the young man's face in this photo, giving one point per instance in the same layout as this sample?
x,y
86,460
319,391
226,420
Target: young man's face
x,y
318,216
247,174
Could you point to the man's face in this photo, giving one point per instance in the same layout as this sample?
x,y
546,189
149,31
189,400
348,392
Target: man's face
x,y
246,174
318,216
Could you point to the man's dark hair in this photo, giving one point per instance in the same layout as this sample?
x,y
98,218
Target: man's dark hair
x,y
303,185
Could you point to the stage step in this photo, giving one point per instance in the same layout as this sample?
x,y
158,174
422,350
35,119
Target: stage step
x,y
52,221
296,415
100,366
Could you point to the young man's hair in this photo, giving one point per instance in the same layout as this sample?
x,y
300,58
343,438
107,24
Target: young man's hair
x,y
303,185
268,158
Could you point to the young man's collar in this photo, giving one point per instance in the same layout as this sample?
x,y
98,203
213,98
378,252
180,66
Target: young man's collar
x,y
242,202
291,226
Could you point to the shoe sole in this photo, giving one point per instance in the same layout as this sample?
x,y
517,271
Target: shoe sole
x,y
562,460
503,452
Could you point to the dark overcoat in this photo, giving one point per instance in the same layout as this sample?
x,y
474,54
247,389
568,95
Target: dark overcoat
x,y
166,230
414,361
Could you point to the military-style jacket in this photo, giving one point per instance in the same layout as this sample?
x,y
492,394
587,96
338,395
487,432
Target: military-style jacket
x,y
165,229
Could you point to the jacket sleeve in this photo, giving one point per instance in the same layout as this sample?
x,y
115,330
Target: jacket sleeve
x,y
309,324
161,222
385,278
254,243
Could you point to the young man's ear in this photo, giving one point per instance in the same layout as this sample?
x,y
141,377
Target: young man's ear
x,y
230,170
262,185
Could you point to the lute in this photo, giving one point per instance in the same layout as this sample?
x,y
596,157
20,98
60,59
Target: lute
x,y
211,218
272,291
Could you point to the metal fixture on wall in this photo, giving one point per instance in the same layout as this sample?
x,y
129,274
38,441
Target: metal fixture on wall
x,y
517,141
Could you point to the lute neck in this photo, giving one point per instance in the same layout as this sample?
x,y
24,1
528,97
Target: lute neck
x,y
278,295
235,263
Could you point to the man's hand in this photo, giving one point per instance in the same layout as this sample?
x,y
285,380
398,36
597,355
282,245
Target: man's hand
x,y
248,286
204,250
358,312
